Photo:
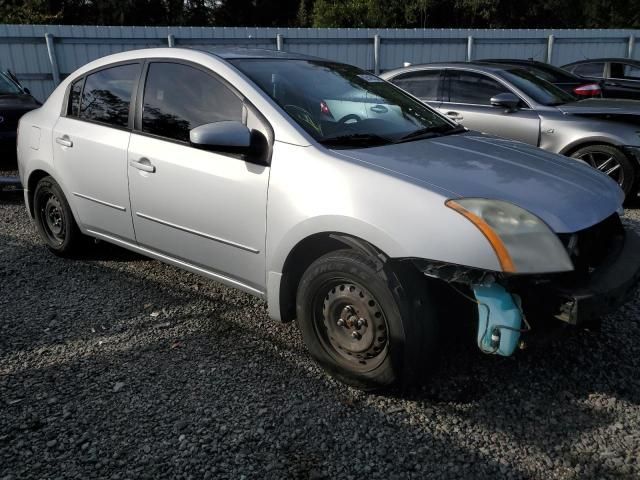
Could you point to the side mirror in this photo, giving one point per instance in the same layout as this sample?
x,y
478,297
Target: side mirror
x,y
506,100
227,137
231,137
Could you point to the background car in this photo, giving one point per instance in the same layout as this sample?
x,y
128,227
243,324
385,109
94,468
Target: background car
x,y
15,101
567,81
620,77
513,103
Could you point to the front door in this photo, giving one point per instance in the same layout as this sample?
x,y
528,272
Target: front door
x,y
467,100
207,209
90,149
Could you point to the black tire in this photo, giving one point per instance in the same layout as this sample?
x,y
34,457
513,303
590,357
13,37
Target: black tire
x,y
399,332
54,219
612,161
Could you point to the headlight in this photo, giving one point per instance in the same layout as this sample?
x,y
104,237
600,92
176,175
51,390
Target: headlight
x,y
523,243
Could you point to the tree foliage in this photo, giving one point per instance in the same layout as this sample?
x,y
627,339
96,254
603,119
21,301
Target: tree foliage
x,y
330,13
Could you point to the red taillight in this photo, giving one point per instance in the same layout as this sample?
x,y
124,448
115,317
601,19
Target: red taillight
x,y
324,109
589,90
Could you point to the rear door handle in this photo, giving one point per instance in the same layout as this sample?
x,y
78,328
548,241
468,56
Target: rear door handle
x,y
143,164
454,115
65,141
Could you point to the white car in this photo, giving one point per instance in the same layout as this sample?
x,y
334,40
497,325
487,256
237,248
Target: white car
x,y
341,200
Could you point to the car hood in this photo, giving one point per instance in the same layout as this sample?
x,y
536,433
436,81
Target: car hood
x,y
565,193
602,107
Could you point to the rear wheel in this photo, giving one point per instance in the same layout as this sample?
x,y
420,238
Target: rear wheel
x,y
611,161
54,219
368,327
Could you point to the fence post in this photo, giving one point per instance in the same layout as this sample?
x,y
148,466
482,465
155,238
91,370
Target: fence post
x,y
55,72
279,41
171,40
469,48
632,44
550,41
376,54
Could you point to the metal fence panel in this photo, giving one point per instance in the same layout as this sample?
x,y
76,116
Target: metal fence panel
x,y
24,50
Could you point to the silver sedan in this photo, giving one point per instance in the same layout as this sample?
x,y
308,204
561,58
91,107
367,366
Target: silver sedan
x,y
510,102
335,196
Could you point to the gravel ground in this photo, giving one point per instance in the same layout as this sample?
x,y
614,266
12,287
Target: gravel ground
x,y
116,366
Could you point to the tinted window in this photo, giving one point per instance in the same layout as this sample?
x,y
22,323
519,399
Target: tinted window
x,y
535,87
107,95
590,69
178,98
631,71
423,84
7,86
474,88
73,108
341,104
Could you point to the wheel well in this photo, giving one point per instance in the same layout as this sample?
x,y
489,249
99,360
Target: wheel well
x,y
575,148
303,255
33,180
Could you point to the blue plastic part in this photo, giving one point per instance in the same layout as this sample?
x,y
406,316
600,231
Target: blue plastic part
x,y
497,310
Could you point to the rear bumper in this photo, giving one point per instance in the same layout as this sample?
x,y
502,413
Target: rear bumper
x,y
582,301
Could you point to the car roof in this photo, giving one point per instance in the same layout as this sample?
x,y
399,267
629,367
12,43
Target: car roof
x,y
605,59
231,53
479,66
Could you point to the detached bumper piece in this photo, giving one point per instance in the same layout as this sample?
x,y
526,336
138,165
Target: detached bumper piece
x,y
607,259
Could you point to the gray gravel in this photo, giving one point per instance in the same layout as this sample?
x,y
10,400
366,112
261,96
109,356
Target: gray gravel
x,y
116,366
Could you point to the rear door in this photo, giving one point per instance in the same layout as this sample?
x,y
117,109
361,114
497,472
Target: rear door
x,y
205,208
423,84
90,148
467,100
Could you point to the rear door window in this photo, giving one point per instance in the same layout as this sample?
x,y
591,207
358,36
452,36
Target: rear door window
x,y
106,96
472,88
423,84
178,98
595,69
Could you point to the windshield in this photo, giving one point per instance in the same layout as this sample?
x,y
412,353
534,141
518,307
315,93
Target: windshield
x,y
7,86
340,104
538,89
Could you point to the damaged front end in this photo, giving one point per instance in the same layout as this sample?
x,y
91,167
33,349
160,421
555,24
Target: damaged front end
x,y
606,260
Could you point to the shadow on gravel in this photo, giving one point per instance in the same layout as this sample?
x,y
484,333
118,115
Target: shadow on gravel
x,y
125,367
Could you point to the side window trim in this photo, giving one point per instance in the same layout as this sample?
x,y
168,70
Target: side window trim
x,y
83,77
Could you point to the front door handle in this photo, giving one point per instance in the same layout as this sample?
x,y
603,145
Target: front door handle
x,y
143,164
65,141
454,115
379,109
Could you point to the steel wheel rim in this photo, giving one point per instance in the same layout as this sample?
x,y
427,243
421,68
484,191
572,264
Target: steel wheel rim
x,y
52,218
605,163
351,325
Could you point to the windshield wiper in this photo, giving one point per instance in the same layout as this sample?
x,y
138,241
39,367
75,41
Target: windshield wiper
x,y
428,132
356,139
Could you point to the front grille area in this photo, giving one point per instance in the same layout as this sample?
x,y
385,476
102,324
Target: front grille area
x,y
590,247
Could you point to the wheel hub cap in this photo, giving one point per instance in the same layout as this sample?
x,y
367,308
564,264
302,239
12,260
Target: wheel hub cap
x,y
355,324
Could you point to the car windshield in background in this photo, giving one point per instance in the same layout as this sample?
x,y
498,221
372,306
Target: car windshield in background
x,y
342,105
7,86
540,90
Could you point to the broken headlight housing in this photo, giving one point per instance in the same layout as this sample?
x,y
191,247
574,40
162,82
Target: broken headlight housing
x,y
522,242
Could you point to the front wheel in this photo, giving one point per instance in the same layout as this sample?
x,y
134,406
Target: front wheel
x,y
367,326
612,162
